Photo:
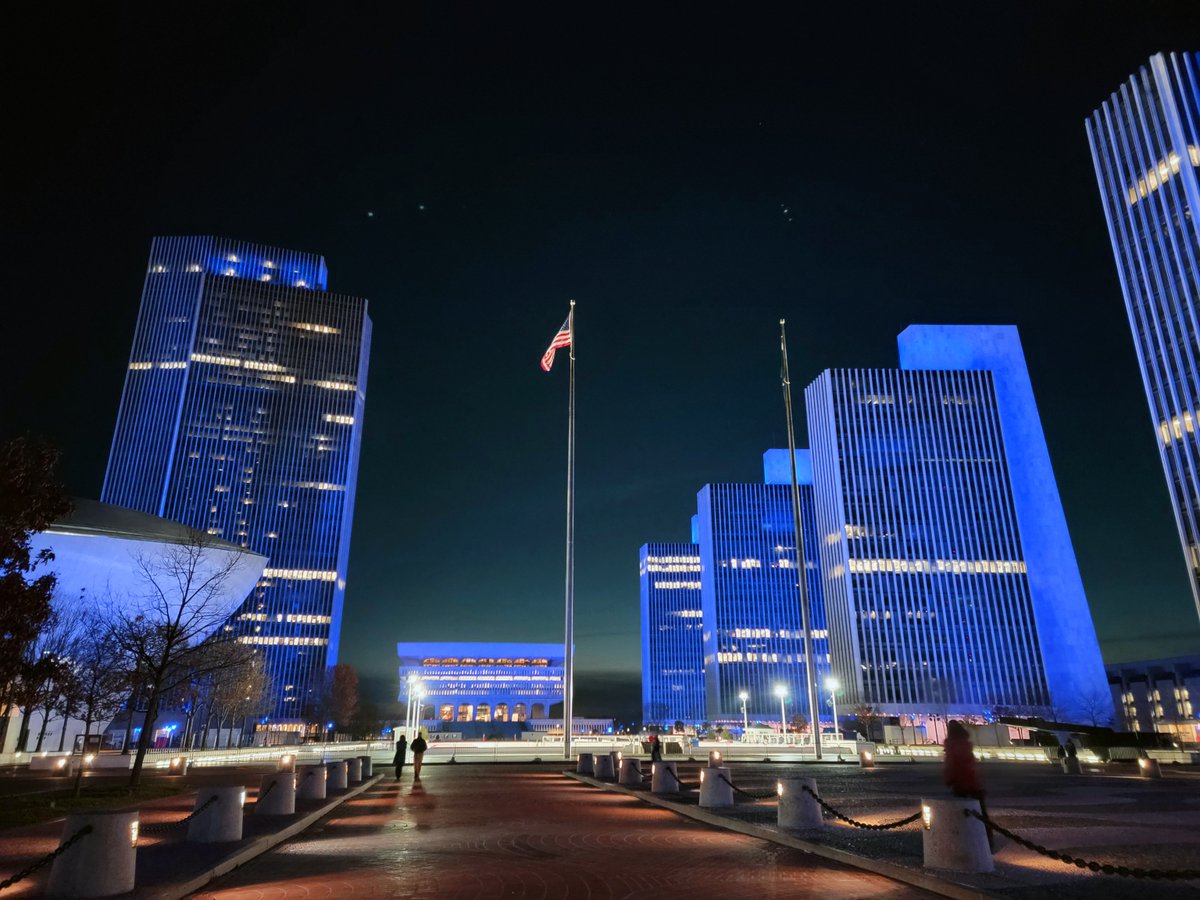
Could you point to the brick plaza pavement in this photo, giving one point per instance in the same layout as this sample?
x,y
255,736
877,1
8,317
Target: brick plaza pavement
x,y
488,831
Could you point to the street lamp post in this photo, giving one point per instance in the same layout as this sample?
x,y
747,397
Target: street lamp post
x,y
833,684
743,696
781,691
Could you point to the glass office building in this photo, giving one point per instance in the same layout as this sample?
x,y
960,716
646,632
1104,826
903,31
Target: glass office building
x,y
672,650
950,581
1145,142
750,599
242,417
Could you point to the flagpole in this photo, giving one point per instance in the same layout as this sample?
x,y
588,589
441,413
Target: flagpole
x,y
810,663
569,642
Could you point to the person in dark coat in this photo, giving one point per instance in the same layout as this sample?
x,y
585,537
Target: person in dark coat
x,y
959,771
401,753
655,749
418,748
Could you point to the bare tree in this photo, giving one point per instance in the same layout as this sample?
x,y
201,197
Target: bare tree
x,y
162,632
239,687
865,717
1095,706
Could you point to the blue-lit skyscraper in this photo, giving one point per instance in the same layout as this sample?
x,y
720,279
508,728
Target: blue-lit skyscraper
x,y
672,650
750,599
950,580
1145,142
242,416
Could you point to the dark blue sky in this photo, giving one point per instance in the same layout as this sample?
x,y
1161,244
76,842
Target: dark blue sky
x,y
934,168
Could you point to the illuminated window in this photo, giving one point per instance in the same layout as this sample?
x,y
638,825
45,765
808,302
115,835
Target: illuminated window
x,y
338,420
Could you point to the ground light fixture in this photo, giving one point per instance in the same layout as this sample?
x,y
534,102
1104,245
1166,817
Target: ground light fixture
x,y
743,696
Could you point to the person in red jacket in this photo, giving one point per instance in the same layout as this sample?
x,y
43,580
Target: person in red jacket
x,y
959,771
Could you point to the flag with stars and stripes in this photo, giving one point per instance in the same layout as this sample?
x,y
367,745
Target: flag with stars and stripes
x,y
561,339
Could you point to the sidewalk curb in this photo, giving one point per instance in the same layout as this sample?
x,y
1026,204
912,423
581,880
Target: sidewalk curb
x,y
923,880
243,855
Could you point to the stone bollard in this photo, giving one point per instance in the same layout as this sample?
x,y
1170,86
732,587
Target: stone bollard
x,y
276,795
714,757
953,840
715,787
1149,767
353,770
664,778
287,763
602,766
337,776
368,766
584,766
310,782
866,759
100,864
178,765
797,807
1070,765
221,820
631,772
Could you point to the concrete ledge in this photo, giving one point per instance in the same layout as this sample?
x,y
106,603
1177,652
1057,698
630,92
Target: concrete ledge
x,y
258,847
916,878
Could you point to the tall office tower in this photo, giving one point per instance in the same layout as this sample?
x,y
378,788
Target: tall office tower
x,y
1145,142
750,600
242,416
672,651
950,582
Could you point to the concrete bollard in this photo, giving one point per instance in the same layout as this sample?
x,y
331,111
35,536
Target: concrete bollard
x,y
220,820
797,807
866,759
287,763
952,840
178,765
1070,765
337,776
615,756
584,766
715,788
100,864
276,795
664,778
311,782
602,766
353,770
1149,767
714,757
368,766
631,772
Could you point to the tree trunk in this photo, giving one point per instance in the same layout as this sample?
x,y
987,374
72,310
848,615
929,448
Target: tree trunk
x,y
62,738
130,705
42,733
87,730
144,739
23,734
7,704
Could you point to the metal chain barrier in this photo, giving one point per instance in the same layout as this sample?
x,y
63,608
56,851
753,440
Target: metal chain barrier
x,y
48,858
1091,865
899,823
259,799
753,795
163,827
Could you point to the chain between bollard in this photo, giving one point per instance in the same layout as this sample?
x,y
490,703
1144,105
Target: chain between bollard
x,y
753,795
163,827
1090,865
884,826
48,858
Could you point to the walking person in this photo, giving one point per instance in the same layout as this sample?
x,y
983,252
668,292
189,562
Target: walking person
x,y
959,771
655,748
418,749
401,752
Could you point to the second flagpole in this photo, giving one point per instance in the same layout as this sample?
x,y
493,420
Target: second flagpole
x,y
569,641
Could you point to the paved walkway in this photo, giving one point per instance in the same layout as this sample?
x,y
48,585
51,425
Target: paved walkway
x,y
499,831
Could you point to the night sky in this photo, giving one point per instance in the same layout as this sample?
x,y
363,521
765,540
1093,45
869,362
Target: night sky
x,y
688,179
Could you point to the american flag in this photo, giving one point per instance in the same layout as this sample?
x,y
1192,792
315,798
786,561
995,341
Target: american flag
x,y
561,339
